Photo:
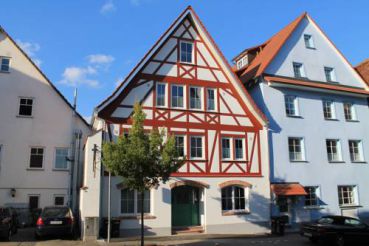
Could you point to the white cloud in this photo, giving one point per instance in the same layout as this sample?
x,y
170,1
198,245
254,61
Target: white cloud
x,y
31,49
75,76
100,59
108,7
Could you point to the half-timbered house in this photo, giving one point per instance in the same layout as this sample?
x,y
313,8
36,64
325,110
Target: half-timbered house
x,y
186,87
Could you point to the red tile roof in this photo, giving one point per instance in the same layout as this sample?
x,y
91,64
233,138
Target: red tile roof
x,y
288,189
363,70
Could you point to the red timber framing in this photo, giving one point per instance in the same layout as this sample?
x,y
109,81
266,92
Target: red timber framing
x,y
190,122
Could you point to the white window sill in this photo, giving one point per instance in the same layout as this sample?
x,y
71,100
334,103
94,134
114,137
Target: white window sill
x,y
294,116
24,116
314,207
187,63
359,162
352,121
337,162
1,71
331,119
234,212
35,169
297,161
350,206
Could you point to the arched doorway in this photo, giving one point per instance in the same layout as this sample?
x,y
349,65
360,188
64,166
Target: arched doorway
x,y
185,206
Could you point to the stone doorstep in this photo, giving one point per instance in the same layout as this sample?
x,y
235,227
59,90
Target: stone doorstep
x,y
189,236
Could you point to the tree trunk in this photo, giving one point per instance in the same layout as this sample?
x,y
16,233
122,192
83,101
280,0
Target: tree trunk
x,y
142,218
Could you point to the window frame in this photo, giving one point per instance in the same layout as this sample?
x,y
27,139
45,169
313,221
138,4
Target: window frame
x,y
38,200
242,62
165,94
43,157
352,112
56,157
230,148
32,107
295,104
58,196
135,203
246,191
202,147
317,196
1,64
332,109
177,97
301,70
332,74
302,147
184,143
215,100
360,149
243,141
338,147
309,43
201,90
192,51
354,198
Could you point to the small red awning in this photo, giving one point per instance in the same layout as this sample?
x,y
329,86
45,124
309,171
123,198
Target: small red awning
x,y
288,189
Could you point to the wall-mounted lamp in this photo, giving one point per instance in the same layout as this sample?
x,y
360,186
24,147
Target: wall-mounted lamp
x,y
12,192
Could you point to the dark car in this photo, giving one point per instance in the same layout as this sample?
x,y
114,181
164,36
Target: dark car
x,y
55,221
8,223
339,229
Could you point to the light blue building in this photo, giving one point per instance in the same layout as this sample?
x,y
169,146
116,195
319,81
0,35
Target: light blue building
x,y
317,106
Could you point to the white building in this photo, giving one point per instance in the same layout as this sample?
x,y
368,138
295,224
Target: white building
x,y
317,107
186,86
39,130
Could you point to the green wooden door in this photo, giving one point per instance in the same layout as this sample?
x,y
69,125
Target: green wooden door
x,y
185,206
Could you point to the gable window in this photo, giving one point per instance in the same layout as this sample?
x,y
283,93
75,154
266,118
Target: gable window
x,y
210,99
330,75
177,96
347,195
186,53
33,201
349,110
58,200
312,197
291,105
296,149
36,157
195,98
309,42
298,70
333,150
196,146
160,94
179,142
238,145
25,106
356,150
5,64
234,198
61,155
329,110
226,148
130,201
242,62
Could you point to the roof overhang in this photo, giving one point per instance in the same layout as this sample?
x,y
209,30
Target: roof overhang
x,y
288,189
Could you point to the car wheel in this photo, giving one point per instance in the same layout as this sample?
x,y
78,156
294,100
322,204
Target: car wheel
x,y
340,241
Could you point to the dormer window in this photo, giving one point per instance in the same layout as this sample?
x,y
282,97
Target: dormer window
x,y
5,64
309,42
298,69
329,74
242,62
186,53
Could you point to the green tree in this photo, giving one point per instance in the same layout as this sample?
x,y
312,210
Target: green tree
x,y
142,160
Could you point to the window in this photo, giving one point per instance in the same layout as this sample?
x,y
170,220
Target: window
x,y
177,96
328,110
180,145
5,64
210,103
25,106
58,200
61,155
242,62
309,42
298,69
296,149
238,143
130,201
330,76
312,198
356,150
196,147
347,195
234,198
349,110
333,150
291,105
36,158
186,52
160,94
33,201
226,148
195,98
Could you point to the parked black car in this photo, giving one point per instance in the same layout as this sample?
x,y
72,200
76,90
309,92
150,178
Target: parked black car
x,y
338,229
55,221
8,223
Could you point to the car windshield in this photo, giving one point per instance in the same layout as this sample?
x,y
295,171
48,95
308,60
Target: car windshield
x,y
55,212
326,220
354,222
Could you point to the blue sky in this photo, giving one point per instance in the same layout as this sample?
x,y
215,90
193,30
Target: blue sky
x,y
93,44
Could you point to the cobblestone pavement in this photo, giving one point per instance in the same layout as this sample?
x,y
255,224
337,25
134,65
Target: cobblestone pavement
x,y
25,238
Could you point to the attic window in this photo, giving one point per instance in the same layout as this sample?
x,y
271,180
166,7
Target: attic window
x,y
4,64
309,42
186,52
242,62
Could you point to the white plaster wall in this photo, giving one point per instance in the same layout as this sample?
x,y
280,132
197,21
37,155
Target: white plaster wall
x,y
51,126
314,60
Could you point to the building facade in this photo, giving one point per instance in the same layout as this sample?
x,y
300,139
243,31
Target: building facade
x,y
187,88
317,107
39,131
